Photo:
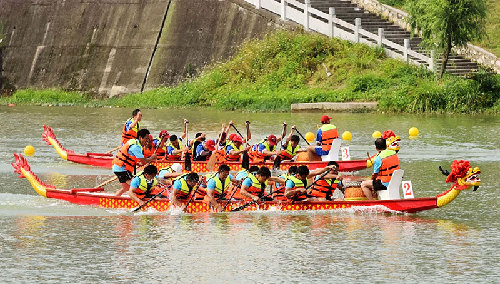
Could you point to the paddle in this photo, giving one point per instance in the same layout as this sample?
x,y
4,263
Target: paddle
x,y
231,197
300,134
277,160
192,195
245,159
151,199
112,150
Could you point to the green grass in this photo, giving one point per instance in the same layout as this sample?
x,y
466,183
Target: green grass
x,y
289,67
492,40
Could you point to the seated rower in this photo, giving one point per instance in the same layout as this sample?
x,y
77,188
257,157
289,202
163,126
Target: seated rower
x,y
385,163
182,187
253,186
160,144
175,149
264,150
234,148
217,187
193,144
167,174
295,186
243,174
279,187
324,139
144,185
291,146
324,189
204,150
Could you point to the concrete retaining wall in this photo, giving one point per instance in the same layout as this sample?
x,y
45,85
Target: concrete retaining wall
x,y
105,46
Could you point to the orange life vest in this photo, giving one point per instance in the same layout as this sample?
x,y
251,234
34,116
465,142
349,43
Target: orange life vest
x,y
324,188
390,163
289,152
256,156
328,133
255,189
131,133
149,151
123,158
230,157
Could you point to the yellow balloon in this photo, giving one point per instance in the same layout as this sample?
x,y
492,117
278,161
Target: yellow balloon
x,y
309,137
29,150
347,135
376,134
413,131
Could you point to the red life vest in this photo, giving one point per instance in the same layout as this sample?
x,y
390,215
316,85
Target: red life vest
x,y
390,163
123,158
131,133
328,133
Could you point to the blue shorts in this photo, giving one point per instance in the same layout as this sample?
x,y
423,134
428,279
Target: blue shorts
x,y
320,151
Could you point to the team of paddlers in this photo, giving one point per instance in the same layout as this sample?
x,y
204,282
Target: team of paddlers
x,y
139,147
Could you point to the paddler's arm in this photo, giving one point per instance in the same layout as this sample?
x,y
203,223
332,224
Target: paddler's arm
x,y
132,195
147,160
210,194
277,179
319,171
173,198
135,120
245,193
172,175
184,134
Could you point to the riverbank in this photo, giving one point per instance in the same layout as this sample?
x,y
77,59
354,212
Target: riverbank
x,y
293,67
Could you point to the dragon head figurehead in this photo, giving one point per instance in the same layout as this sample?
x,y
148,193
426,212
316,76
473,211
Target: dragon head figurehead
x,y
463,175
392,140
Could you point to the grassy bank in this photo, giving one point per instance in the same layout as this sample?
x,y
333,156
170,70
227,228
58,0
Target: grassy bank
x,y
492,40
289,67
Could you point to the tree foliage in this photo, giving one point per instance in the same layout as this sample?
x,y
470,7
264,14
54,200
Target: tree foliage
x,y
444,24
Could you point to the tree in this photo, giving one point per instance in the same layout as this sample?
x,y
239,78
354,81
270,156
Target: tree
x,y
444,24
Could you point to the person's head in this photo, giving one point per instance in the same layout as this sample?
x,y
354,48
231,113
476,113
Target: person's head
x,y
271,140
150,172
137,113
174,141
253,169
335,168
380,144
200,134
294,140
164,133
292,170
325,119
192,179
263,174
209,145
176,167
302,172
143,136
223,171
237,140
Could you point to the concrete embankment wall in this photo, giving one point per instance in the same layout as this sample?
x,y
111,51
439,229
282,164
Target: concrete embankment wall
x,y
106,46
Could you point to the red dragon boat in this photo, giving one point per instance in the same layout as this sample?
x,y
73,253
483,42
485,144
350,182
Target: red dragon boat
x,y
462,177
105,160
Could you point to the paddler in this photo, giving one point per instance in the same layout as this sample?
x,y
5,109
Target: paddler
x,y
217,187
385,163
295,186
144,185
175,148
182,187
234,148
167,174
324,189
291,146
204,150
132,126
161,144
253,186
125,162
264,150
324,139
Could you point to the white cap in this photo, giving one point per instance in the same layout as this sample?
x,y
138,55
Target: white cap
x,y
177,167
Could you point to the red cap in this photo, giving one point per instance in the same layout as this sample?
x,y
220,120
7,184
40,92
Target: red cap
x,y
210,144
231,136
271,139
164,133
237,138
388,133
325,118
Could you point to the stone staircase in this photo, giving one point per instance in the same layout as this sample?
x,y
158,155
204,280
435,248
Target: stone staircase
x,y
348,11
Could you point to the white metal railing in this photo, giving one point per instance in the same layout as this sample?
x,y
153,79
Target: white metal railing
x,y
330,25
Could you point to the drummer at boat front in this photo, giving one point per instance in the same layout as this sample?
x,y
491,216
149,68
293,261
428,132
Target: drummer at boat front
x,y
132,126
204,150
182,187
385,163
127,158
324,139
144,185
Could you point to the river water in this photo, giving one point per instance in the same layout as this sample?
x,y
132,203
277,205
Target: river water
x,y
45,240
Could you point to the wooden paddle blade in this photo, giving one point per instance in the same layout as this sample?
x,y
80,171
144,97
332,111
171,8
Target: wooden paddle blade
x,y
211,162
245,161
277,162
187,162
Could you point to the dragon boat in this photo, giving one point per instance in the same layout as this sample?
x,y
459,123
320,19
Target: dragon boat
x,y
462,177
105,159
